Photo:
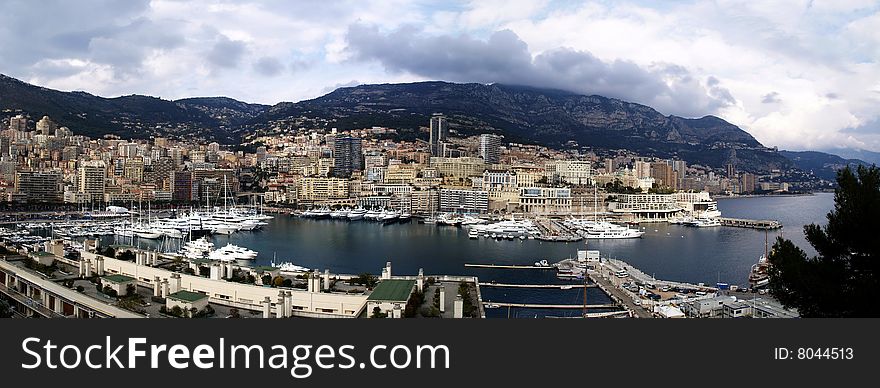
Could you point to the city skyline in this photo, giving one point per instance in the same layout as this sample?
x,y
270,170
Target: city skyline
x,y
796,75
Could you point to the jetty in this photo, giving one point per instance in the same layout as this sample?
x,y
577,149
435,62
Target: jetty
x,y
553,306
559,286
503,266
752,224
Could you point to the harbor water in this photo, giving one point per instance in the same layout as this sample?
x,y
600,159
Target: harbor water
x,y
670,252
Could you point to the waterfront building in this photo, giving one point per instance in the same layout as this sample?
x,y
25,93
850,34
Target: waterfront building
x,y
347,156
322,188
92,179
424,202
774,186
545,200
182,186
502,188
464,201
32,186
490,148
646,207
697,204
439,130
747,183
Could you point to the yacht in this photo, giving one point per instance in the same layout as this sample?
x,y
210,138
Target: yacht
x,y
507,229
197,249
289,267
372,215
230,252
704,222
593,229
473,234
356,214
339,214
388,216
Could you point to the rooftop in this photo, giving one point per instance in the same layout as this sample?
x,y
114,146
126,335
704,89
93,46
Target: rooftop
x,y
187,296
118,278
392,290
42,253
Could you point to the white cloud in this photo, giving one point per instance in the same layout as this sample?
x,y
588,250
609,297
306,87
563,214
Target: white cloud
x,y
795,73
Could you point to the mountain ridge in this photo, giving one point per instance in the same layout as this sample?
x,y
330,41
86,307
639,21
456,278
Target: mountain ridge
x,y
549,117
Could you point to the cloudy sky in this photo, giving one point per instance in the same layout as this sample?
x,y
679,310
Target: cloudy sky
x,y
796,74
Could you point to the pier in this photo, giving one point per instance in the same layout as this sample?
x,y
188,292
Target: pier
x,y
552,306
753,224
502,266
559,286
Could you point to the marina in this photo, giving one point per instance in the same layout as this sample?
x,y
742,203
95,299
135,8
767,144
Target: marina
x,y
662,251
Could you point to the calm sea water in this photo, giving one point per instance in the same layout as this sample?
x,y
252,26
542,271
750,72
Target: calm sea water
x,y
669,252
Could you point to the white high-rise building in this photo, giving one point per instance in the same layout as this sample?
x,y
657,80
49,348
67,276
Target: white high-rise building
x,y
490,148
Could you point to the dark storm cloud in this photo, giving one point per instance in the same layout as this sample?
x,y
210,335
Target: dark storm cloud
x,y
771,98
505,58
268,66
226,53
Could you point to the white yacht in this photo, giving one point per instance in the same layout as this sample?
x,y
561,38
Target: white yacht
x,y
230,252
289,267
339,214
356,214
594,229
702,222
197,249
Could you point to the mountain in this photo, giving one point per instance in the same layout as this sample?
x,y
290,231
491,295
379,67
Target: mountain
x,y
849,153
522,114
543,116
821,164
133,116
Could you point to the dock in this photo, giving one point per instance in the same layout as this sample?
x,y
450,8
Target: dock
x,y
559,286
752,224
503,266
553,306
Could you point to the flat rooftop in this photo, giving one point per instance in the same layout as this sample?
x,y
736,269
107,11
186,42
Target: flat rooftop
x,y
187,296
118,278
392,290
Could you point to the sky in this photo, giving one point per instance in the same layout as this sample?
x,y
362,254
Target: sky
x,y
795,74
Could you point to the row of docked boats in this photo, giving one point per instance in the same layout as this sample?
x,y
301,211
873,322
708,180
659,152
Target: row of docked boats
x,y
357,214
195,223
698,222
508,229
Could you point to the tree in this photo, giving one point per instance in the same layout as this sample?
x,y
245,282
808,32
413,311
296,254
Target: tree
x,y
267,280
278,281
377,313
843,279
109,252
6,310
127,256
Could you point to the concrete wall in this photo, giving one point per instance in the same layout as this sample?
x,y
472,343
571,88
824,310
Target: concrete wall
x,y
236,294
